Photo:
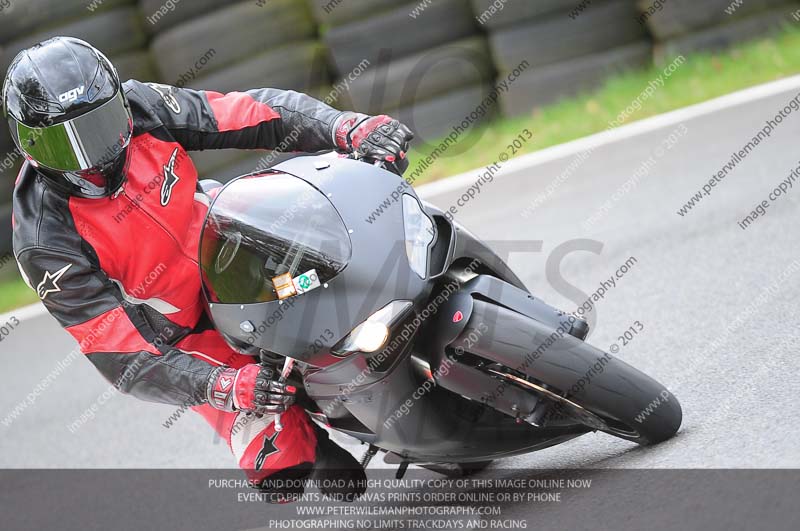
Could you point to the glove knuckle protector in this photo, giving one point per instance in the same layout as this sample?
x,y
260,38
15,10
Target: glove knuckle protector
x,y
374,137
251,388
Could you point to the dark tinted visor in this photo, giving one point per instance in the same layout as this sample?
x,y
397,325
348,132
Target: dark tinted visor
x,y
89,141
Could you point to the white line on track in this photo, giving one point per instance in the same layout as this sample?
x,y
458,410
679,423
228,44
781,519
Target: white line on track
x,y
464,180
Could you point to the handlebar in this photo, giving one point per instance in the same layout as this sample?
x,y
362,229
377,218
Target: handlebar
x,y
354,156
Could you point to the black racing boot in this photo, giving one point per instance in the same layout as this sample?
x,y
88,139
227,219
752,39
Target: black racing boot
x,y
286,486
337,473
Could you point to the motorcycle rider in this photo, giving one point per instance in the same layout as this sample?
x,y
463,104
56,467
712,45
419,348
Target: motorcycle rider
x,y
107,214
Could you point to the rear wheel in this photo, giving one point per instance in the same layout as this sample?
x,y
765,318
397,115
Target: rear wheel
x,y
579,381
457,470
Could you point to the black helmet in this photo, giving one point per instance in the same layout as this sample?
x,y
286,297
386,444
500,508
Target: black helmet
x,y
68,115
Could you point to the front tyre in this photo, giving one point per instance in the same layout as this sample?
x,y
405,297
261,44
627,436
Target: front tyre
x,y
581,381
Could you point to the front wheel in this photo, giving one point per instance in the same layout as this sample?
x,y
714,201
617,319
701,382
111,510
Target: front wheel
x,y
579,381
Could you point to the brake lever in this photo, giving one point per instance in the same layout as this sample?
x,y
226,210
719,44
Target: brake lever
x,y
382,164
288,364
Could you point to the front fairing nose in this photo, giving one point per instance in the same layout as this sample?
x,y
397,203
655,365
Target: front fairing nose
x,y
306,326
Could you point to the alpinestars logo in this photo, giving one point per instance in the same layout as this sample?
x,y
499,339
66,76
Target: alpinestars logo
x,y
170,179
49,283
267,450
165,91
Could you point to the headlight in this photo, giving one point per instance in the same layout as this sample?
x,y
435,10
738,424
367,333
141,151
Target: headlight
x,y
372,334
369,336
419,235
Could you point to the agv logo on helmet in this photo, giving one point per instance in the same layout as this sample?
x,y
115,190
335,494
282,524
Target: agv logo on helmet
x,y
71,95
81,147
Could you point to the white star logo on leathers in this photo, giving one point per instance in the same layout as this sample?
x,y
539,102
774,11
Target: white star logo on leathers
x,y
170,179
49,283
167,96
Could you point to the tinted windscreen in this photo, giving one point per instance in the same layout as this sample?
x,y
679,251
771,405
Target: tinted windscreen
x,y
270,235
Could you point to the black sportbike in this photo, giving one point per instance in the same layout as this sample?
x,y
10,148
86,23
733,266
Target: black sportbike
x,y
405,330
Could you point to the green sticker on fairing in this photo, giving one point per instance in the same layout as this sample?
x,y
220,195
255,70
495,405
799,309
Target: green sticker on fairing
x,y
306,282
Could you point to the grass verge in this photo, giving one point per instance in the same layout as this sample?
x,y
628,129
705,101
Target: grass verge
x,y
701,77
14,293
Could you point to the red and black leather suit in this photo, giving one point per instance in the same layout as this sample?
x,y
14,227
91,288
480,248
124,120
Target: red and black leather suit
x,y
120,273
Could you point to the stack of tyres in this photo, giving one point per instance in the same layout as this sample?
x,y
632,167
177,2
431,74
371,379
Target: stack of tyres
x,y
160,15
423,76
684,26
448,89
235,34
425,63
10,161
331,13
235,46
410,28
7,176
6,146
9,167
555,49
113,26
496,14
224,164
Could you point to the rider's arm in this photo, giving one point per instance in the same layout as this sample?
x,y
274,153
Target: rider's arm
x,y
255,119
114,333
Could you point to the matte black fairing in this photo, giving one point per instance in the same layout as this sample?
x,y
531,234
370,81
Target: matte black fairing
x,y
307,326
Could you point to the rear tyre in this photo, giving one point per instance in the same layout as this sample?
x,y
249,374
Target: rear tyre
x,y
470,469
583,382
457,470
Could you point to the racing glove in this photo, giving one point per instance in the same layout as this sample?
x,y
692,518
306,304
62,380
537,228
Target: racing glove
x,y
375,138
252,388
